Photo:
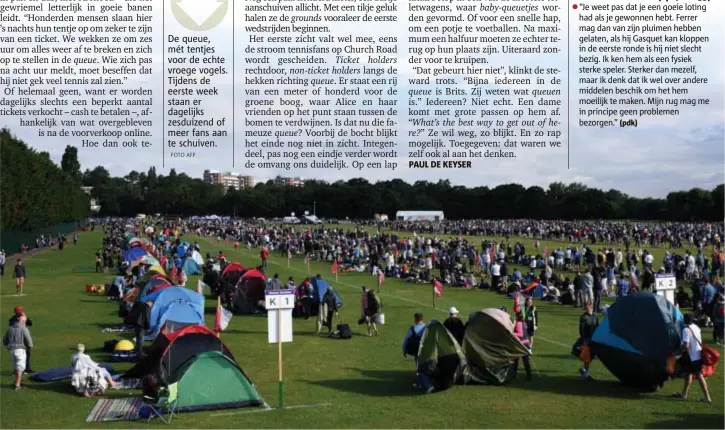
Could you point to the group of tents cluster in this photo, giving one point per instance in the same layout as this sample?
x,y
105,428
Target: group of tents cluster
x,y
183,352
637,341
242,289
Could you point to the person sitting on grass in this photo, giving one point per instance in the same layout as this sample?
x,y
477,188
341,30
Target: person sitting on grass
x,y
88,377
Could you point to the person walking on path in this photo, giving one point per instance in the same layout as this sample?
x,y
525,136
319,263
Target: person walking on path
x,y
19,275
17,340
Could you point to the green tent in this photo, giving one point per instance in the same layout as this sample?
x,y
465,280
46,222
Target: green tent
x,y
440,357
212,380
491,348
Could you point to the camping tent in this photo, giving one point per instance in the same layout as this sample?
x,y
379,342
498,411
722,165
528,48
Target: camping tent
x,y
181,249
635,338
133,254
153,288
178,314
244,296
321,286
175,296
440,357
206,373
190,266
197,258
491,348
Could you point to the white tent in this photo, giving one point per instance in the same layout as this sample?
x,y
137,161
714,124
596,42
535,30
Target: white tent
x,y
197,258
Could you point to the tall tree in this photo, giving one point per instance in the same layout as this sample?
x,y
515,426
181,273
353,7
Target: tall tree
x,y
70,164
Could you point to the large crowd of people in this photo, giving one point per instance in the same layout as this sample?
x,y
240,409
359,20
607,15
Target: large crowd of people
x,y
578,264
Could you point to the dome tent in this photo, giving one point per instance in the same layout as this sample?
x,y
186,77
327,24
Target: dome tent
x,y
205,371
636,337
491,348
440,357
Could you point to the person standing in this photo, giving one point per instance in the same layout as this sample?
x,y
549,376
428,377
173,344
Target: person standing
x,y
691,361
588,287
330,304
2,262
370,308
264,256
19,312
411,345
454,325
588,323
520,331
19,275
531,318
17,340
718,319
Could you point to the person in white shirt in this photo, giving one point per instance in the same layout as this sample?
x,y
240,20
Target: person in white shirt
x,y
495,274
691,361
648,260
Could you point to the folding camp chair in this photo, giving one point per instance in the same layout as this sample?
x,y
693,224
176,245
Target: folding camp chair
x,y
166,404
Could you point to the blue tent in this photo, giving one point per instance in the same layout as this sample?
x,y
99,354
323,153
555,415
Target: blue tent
x,y
153,284
169,296
539,291
321,286
181,249
191,267
133,254
636,338
180,313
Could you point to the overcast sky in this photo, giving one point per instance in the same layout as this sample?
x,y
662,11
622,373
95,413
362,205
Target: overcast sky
x,y
660,155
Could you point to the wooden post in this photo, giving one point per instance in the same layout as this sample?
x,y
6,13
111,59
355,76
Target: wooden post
x,y
279,358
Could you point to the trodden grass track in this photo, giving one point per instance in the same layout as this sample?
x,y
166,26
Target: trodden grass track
x,y
360,383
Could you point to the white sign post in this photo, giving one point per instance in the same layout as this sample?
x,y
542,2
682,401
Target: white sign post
x,y
666,285
279,306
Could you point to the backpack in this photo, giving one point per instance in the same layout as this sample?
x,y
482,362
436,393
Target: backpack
x,y
413,345
344,331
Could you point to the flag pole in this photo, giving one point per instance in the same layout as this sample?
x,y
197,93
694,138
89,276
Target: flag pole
x,y
279,358
218,306
434,294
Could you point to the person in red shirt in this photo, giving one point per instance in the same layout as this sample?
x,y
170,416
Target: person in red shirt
x,y
264,256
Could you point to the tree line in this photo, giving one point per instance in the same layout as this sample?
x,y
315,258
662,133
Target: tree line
x,y
179,194
36,193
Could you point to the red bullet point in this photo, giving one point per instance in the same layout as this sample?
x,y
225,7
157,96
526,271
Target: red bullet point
x,y
574,6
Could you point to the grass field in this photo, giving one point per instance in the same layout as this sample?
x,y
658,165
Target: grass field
x,y
361,383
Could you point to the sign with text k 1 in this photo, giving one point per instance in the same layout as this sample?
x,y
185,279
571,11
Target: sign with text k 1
x,y
281,299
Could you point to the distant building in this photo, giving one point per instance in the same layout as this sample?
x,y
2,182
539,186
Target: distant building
x,y
381,217
228,179
419,215
246,181
292,182
95,207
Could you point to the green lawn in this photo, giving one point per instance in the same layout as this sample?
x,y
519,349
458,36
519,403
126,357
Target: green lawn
x,y
360,383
